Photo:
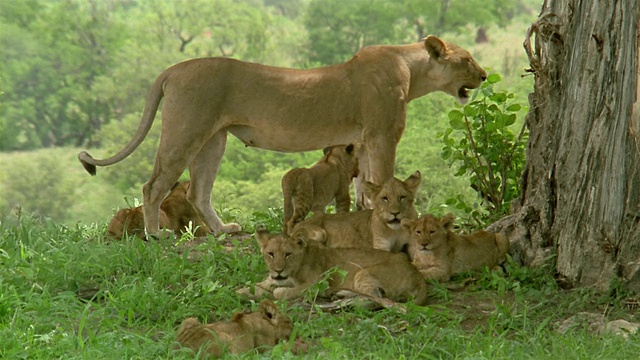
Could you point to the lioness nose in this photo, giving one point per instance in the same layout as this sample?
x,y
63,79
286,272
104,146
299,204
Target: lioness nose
x,y
484,77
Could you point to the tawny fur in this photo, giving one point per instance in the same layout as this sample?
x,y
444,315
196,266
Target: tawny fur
x,y
440,253
313,188
297,263
176,214
379,228
362,101
259,330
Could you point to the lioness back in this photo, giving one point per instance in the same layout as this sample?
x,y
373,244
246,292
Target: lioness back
x,y
258,330
312,189
297,263
379,228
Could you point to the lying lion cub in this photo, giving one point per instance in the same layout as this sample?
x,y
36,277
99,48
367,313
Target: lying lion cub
x,y
175,214
312,189
296,263
379,228
440,253
259,330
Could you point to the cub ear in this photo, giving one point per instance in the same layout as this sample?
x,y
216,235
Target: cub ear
x,y
300,237
447,221
326,150
413,181
370,189
436,47
407,223
262,235
268,309
349,149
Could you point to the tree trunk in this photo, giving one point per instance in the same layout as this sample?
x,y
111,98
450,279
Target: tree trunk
x,y
581,186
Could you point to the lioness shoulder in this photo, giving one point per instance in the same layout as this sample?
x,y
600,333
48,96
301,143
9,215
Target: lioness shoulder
x,y
258,330
440,253
379,227
297,263
313,188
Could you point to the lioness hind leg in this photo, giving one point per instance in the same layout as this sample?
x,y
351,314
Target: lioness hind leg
x,y
154,191
204,169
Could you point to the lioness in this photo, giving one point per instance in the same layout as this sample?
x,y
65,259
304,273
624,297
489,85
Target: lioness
x,y
176,214
379,228
261,330
312,189
439,253
297,263
363,101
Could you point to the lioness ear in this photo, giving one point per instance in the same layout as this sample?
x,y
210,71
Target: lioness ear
x,y
262,235
349,149
413,181
447,221
435,47
301,238
326,150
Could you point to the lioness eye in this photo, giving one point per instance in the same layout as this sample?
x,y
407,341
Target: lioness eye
x,y
402,198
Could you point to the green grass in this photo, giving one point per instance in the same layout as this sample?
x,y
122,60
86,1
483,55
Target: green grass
x,y
66,293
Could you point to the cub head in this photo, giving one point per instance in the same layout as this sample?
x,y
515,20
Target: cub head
x,y
460,72
284,255
429,232
344,156
131,222
268,320
393,200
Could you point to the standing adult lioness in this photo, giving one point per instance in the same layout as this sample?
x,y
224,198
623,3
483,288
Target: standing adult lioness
x,y
360,101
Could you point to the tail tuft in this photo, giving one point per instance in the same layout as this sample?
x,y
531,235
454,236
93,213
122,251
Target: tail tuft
x,y
83,156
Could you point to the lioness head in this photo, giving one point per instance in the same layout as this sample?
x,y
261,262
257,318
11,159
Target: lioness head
x,y
344,156
429,232
284,255
393,200
460,71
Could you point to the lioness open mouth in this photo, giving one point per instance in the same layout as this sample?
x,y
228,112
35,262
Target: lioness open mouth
x,y
394,221
279,278
463,93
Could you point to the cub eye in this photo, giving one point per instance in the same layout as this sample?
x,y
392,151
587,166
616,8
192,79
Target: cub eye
x,y
418,232
402,197
385,198
432,232
286,255
270,254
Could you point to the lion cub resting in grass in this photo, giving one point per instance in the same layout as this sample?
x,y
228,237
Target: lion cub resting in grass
x,y
258,330
297,263
439,253
312,189
175,214
379,227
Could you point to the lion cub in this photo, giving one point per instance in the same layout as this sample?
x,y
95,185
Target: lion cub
x,y
312,189
296,263
175,214
258,330
439,253
379,227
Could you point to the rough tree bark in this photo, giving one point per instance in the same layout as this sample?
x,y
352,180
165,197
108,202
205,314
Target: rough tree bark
x,y
581,185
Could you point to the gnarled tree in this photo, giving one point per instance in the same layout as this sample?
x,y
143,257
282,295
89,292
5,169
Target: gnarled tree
x,y
581,185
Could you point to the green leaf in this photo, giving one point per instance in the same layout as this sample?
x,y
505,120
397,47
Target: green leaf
x,y
470,111
457,124
514,107
494,78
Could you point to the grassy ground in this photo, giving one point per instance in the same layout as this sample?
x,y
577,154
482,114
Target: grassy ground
x,y
66,292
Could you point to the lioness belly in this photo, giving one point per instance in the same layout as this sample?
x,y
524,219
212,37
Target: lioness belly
x,y
293,139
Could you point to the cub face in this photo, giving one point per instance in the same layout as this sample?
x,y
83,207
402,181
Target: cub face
x,y
282,325
393,201
429,232
284,255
